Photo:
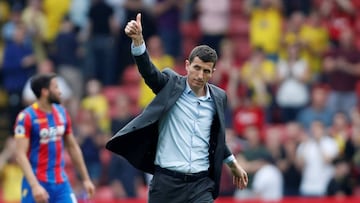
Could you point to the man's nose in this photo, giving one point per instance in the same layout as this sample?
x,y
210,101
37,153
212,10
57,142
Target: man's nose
x,y
201,75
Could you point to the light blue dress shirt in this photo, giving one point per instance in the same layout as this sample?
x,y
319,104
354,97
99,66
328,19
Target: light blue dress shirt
x,y
184,131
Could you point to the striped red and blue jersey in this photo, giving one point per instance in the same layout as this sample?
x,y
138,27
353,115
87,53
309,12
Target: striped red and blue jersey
x,y
45,131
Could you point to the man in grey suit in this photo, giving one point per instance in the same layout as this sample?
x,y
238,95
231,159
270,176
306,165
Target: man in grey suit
x,y
180,135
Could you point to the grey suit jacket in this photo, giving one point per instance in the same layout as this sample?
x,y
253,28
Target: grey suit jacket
x,y
137,141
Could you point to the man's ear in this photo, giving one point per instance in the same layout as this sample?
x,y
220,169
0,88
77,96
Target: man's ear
x,y
187,64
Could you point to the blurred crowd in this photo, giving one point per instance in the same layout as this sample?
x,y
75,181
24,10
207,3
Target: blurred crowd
x,y
290,69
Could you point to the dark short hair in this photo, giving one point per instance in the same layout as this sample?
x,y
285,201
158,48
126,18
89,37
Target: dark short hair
x,y
205,53
41,81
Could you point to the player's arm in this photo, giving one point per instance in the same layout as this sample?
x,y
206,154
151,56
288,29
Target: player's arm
x,y
78,160
38,192
22,143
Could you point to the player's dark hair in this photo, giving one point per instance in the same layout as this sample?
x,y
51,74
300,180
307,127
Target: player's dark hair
x,y
40,81
205,53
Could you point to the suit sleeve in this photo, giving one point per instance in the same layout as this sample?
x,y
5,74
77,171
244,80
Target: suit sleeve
x,y
228,156
155,79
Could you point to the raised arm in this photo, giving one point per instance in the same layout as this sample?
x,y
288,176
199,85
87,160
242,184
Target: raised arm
x,y
134,30
152,76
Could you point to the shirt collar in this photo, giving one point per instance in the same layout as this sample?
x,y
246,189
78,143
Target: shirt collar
x,y
188,90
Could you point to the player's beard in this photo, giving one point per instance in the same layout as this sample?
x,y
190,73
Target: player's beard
x,y
53,99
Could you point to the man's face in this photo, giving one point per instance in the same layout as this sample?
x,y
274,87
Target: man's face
x,y
199,73
54,92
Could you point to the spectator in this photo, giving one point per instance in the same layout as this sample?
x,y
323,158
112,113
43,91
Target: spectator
x,y
294,134
293,77
317,110
9,27
266,17
4,11
273,141
119,10
18,66
67,45
341,184
78,13
252,150
355,118
100,49
227,78
227,68
91,141
352,147
268,180
340,131
259,74
247,114
54,11
338,15
67,57
213,19
10,174
292,31
96,102
36,24
314,38
167,14
341,72
315,156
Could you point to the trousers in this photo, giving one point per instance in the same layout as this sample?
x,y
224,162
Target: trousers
x,y
172,187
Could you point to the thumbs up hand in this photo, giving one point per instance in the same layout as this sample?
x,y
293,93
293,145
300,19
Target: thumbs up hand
x,y
133,30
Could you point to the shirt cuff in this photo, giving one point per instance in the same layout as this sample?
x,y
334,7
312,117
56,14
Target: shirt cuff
x,y
229,159
138,50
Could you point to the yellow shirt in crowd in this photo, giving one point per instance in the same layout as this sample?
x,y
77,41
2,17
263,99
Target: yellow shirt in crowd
x,y
317,40
266,21
4,11
54,11
11,176
99,105
257,79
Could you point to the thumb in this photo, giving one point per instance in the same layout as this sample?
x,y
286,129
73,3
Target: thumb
x,y
138,19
